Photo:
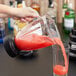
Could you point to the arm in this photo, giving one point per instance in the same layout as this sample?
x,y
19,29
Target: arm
x,y
6,10
18,12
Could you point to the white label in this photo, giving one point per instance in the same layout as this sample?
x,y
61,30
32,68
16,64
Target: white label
x,y
69,23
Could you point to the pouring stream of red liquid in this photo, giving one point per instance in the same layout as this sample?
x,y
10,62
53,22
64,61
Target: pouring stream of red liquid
x,y
33,42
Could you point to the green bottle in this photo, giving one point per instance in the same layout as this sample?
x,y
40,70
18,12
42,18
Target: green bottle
x,y
69,19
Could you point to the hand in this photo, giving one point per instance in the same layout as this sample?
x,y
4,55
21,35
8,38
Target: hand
x,y
26,12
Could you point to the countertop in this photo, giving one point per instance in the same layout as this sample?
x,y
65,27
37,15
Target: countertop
x,y
38,65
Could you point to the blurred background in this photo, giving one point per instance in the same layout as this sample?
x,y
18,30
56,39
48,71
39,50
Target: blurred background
x,y
45,3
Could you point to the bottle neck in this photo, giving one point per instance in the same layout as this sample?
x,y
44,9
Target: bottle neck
x,y
65,1
70,6
23,4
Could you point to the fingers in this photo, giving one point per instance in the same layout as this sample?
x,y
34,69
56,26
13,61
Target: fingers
x,y
32,12
23,20
27,14
27,19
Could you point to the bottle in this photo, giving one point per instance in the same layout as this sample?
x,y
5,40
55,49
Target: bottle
x,y
19,3
69,19
50,2
35,5
2,30
11,20
53,10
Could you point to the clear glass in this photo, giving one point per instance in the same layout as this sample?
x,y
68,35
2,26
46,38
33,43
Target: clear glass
x,y
58,59
60,55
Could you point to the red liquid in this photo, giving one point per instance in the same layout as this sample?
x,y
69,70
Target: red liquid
x,y
34,41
